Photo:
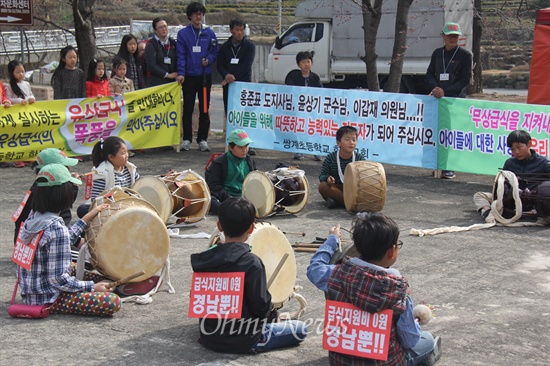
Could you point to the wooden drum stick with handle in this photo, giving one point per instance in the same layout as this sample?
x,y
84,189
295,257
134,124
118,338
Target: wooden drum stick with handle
x,y
124,280
277,270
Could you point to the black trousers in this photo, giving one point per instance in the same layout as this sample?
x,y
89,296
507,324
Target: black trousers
x,y
193,86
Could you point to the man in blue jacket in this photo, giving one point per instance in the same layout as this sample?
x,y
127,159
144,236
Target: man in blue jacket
x,y
197,49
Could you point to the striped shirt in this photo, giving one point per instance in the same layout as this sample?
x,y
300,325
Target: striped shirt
x,y
122,179
330,166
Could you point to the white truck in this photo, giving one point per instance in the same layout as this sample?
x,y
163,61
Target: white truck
x,y
333,30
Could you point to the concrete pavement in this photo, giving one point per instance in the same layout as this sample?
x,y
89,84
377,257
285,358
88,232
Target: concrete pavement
x,y
490,288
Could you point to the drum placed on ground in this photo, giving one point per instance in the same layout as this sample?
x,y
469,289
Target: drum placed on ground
x,y
348,249
155,191
538,199
184,195
128,237
276,191
364,186
271,245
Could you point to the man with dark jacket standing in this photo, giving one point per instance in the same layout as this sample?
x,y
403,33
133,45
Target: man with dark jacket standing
x,y
160,56
235,60
450,70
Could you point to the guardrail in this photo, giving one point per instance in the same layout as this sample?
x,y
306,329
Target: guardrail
x,y
55,39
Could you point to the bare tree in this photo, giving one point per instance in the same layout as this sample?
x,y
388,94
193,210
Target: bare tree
x,y
399,46
476,86
371,20
84,31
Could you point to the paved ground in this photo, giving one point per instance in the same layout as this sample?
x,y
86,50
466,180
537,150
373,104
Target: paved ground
x,y
490,288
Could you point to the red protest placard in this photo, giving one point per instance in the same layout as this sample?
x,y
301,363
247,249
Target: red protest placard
x,y
88,188
17,213
216,295
23,255
352,331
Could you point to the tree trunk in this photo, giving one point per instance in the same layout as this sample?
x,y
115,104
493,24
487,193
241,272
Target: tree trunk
x,y
399,46
371,21
84,31
476,86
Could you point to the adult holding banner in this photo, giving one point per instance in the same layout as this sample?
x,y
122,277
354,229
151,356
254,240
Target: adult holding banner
x,y
197,50
450,70
160,56
235,60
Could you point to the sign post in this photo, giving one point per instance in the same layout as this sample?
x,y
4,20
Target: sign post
x,y
16,13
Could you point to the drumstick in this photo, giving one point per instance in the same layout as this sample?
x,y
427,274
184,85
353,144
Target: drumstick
x,y
277,270
83,176
125,279
307,245
309,250
293,233
343,228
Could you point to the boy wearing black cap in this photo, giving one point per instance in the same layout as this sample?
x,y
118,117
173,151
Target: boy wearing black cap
x,y
226,174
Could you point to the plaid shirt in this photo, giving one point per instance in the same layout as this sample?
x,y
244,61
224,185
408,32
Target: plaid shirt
x,y
49,273
373,291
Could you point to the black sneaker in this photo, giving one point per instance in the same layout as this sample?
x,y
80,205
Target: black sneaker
x,y
331,203
436,353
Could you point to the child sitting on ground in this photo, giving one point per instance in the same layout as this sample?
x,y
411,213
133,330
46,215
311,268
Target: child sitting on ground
x,y
111,168
331,179
530,168
45,157
369,283
50,280
226,174
254,332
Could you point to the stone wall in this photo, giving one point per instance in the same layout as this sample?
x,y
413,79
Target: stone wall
x,y
506,80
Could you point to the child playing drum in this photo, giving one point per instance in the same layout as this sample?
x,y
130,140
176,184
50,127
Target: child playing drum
x,y
45,157
49,280
331,179
369,283
530,168
112,168
254,332
226,174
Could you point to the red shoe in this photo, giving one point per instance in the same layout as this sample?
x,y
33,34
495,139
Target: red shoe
x,y
19,164
138,288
